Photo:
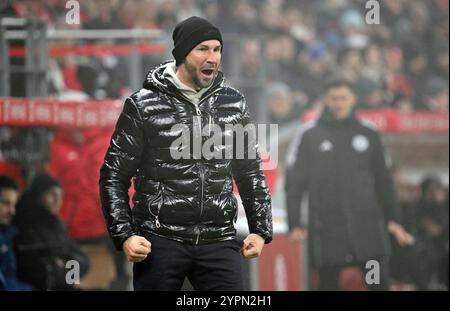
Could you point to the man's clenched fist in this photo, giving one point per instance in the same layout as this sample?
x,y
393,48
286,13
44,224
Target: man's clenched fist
x,y
136,248
253,245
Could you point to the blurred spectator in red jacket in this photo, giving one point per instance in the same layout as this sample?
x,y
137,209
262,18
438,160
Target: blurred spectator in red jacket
x,y
76,156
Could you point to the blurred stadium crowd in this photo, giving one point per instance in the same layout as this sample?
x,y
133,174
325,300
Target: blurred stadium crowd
x,y
401,63
279,53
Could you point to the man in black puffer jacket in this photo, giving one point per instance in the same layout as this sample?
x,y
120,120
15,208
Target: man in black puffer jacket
x,y
182,221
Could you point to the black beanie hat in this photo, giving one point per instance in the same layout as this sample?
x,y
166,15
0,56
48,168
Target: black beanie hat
x,y
190,32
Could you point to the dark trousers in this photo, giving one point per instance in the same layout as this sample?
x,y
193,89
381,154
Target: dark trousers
x,y
215,266
329,277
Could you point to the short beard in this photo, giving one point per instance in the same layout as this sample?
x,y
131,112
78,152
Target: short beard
x,y
192,72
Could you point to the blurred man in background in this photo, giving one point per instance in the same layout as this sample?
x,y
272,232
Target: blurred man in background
x,y
43,244
340,163
433,218
9,194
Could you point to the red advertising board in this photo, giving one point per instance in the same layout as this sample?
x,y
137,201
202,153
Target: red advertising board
x,y
391,121
280,265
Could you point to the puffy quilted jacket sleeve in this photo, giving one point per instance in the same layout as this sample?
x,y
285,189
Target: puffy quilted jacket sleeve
x,y
252,185
298,175
120,164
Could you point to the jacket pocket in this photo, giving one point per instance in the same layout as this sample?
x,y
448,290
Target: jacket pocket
x,y
157,198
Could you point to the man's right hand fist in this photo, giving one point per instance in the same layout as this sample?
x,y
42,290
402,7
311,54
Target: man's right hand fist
x,y
136,248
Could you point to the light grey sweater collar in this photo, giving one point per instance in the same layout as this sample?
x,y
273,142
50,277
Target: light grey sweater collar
x,y
171,74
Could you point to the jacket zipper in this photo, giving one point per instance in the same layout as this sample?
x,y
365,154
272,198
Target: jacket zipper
x,y
198,236
160,203
157,223
202,190
209,115
202,173
199,116
202,186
